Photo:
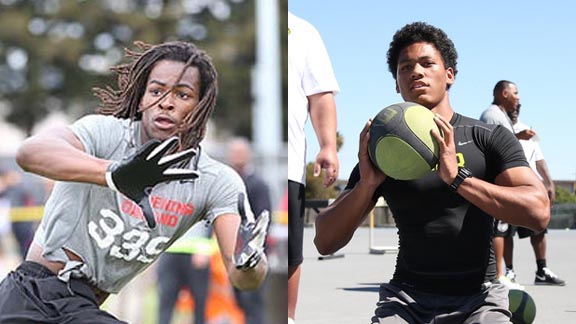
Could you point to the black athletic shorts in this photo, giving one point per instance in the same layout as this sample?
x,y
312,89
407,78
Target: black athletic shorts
x,y
295,223
502,229
33,294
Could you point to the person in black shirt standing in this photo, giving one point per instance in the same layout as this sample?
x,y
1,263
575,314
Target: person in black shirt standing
x,y
445,266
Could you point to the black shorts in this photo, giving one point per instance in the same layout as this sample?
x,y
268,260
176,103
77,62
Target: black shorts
x,y
295,223
502,229
32,294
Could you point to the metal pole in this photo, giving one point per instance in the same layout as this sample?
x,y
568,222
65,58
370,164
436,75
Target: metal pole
x,y
267,117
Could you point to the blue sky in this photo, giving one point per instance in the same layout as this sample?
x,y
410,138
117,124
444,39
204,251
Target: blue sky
x,y
531,44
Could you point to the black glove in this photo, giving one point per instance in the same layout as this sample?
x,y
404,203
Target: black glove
x,y
135,176
251,237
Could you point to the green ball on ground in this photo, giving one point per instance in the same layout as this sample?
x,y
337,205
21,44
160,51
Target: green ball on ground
x,y
522,307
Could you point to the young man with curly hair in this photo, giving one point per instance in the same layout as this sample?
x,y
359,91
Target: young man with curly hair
x,y
445,269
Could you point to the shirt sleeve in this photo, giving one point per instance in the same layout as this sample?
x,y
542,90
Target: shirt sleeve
x,y
504,151
497,117
99,134
223,196
318,73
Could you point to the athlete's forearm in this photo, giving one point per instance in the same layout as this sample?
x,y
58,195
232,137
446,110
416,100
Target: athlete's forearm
x,y
525,205
336,224
249,279
55,155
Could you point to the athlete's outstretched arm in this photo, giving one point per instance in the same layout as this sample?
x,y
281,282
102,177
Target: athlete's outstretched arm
x,y
59,155
226,230
336,224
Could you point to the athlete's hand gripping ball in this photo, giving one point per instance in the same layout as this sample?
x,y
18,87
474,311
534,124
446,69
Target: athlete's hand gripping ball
x,y
251,237
135,176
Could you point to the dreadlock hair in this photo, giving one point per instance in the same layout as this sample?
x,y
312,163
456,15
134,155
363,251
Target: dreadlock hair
x,y
421,32
132,78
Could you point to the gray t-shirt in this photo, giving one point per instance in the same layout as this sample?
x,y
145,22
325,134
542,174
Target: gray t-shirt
x,y
493,115
107,230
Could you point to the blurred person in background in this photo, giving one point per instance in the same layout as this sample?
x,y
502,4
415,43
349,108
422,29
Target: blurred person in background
x,y
186,264
505,97
4,215
240,159
17,195
535,157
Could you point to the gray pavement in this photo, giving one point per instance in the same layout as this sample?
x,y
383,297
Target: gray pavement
x,y
345,289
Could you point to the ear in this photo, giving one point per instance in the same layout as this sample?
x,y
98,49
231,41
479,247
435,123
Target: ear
x,y
397,88
450,77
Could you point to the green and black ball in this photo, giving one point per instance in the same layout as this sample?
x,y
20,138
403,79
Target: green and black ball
x,y
401,144
522,307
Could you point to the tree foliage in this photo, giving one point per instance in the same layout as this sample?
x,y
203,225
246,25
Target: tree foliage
x,y
53,52
564,196
315,187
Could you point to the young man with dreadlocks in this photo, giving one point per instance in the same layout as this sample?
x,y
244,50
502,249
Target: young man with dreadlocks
x,y
130,181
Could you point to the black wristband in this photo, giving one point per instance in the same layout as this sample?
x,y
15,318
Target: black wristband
x,y
463,173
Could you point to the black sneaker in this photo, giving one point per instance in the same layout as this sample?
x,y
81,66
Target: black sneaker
x,y
548,278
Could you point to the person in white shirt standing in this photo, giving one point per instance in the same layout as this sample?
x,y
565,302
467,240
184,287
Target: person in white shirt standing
x,y
506,98
312,86
535,157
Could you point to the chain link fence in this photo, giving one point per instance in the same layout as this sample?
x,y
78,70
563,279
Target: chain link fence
x,y
563,216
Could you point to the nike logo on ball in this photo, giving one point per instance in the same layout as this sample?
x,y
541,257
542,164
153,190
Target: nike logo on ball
x,y
464,143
